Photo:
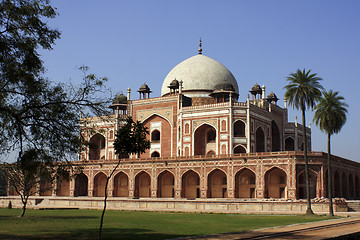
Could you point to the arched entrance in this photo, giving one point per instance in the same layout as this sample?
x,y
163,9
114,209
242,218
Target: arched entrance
x,y
97,144
351,187
45,187
142,185
260,140
344,182
337,192
217,184
239,129
239,149
301,185
166,185
99,185
275,183
245,184
121,185
81,185
289,144
357,187
275,137
204,139
190,185
63,187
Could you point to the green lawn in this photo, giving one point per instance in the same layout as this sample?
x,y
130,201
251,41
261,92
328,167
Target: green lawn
x,y
83,224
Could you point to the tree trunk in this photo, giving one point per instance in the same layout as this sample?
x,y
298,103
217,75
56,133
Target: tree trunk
x,y
24,202
307,178
330,189
105,198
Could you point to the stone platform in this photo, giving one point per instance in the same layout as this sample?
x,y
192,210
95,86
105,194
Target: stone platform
x,y
246,206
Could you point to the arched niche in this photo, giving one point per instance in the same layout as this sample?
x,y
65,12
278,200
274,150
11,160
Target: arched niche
x,y
81,185
142,185
166,185
96,145
190,185
275,137
217,184
275,183
260,140
239,129
289,144
245,184
121,185
99,185
204,139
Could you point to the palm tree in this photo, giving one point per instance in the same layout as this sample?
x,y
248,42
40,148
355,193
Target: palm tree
x,y
302,93
330,116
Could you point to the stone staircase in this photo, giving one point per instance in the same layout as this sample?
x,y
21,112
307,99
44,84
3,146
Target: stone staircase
x,y
353,205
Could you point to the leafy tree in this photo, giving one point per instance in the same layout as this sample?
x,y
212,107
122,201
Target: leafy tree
x,y
129,139
330,116
302,93
39,120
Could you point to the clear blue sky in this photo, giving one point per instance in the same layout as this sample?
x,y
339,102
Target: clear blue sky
x,y
132,42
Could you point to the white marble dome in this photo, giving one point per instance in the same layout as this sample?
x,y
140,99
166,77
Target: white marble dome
x,y
200,74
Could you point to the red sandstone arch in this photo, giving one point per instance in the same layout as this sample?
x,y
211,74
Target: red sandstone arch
x,y
99,185
142,185
63,187
239,129
260,140
217,184
245,183
345,190
301,185
155,136
121,185
210,153
289,144
155,154
337,184
165,185
165,139
190,181
351,187
81,185
204,139
275,137
97,143
275,183
45,188
239,149
357,187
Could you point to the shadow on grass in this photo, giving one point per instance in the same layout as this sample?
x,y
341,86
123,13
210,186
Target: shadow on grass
x,y
89,234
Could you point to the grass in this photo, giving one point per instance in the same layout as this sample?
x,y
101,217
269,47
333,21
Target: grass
x,y
83,224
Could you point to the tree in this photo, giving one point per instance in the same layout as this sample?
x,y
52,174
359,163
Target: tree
x,y
39,120
302,93
330,116
131,138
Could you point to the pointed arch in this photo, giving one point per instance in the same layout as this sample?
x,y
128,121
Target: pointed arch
x,y
301,185
99,184
357,187
289,144
345,190
155,154
239,128
239,149
245,183
351,186
217,184
121,185
275,183
96,146
205,137
142,185
63,187
260,140
337,184
81,185
275,137
190,182
165,184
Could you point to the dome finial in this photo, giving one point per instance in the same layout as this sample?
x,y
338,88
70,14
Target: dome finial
x,y
200,50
